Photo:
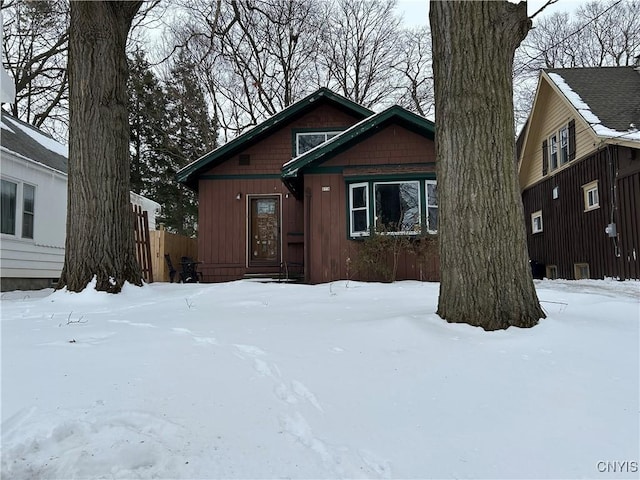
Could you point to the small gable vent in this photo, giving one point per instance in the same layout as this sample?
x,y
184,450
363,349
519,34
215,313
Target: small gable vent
x,y
244,159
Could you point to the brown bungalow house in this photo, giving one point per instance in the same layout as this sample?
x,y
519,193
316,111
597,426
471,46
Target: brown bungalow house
x,y
301,191
579,172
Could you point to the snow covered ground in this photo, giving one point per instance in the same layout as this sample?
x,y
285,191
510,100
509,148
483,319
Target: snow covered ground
x,y
343,380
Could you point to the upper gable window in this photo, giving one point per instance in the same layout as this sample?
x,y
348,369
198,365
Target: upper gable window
x,y
564,145
559,148
305,141
553,151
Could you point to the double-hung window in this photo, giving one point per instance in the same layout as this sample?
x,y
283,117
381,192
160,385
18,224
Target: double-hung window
x,y
17,216
591,196
564,145
559,148
8,206
432,206
553,151
536,222
305,141
359,209
393,207
28,210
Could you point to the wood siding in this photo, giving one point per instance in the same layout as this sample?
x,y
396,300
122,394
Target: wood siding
x,y
551,112
572,235
222,219
389,151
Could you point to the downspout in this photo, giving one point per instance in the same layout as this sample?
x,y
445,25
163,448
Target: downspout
x,y
307,234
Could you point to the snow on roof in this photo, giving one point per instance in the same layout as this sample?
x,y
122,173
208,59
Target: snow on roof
x,y
591,118
47,142
6,127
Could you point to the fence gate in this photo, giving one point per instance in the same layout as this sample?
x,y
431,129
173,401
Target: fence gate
x,y
143,244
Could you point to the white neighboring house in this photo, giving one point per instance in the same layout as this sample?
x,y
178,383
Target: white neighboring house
x,y
33,209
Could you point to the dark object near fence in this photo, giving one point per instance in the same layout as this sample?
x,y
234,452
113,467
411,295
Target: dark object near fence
x,y
189,273
538,270
172,271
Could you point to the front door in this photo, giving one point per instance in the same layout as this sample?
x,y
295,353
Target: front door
x,y
264,231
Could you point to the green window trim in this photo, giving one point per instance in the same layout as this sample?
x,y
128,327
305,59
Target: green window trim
x,y
369,183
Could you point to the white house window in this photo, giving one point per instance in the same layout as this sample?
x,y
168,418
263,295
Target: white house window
x,y
8,206
564,145
17,217
432,206
591,197
305,141
536,221
553,151
359,209
393,207
28,209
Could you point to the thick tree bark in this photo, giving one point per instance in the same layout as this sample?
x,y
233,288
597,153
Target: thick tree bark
x,y
100,239
485,276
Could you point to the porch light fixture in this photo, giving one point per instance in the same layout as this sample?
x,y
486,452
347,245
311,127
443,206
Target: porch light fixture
x,y
239,196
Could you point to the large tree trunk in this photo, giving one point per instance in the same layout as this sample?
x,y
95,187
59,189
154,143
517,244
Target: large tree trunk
x,y
99,220
485,276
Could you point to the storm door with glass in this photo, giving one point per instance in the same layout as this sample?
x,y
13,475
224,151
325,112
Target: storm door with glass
x,y
264,231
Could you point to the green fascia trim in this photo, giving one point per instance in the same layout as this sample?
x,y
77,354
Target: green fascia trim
x,y
240,176
358,132
264,128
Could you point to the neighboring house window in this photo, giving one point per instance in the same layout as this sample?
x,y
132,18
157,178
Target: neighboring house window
x,y
581,271
560,148
305,141
359,209
552,272
564,145
591,197
394,207
536,221
17,216
8,207
553,151
28,209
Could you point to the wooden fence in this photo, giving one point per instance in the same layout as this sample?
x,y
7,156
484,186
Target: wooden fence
x,y
177,246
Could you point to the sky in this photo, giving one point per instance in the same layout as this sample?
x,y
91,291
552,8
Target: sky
x,y
416,12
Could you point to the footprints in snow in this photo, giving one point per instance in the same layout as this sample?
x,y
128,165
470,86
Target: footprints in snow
x,y
292,393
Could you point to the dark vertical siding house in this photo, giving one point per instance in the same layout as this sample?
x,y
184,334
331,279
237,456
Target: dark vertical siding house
x,y
580,173
299,192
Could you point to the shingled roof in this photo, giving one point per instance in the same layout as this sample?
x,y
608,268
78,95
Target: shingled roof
x,y
31,143
611,93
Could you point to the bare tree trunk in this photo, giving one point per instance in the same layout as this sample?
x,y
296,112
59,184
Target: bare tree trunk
x,y
99,220
485,276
